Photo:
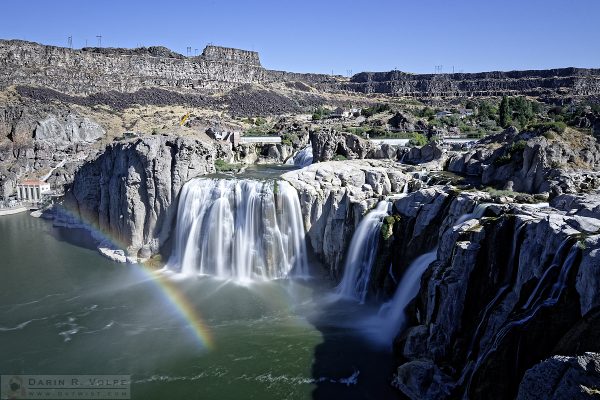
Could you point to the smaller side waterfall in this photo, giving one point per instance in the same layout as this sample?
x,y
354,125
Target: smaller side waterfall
x,y
391,314
477,213
239,229
302,158
362,253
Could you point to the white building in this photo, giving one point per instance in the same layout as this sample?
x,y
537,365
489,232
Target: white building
x,y
32,190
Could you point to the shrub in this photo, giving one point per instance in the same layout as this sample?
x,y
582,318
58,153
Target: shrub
x,y
320,113
418,139
377,108
224,166
556,126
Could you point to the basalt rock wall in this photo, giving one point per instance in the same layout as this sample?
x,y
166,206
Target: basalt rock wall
x,y
571,81
94,70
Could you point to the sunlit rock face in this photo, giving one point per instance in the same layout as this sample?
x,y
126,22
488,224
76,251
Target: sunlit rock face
x,y
129,191
335,195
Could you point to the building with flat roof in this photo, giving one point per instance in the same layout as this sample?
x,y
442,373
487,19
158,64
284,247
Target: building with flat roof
x,y
32,190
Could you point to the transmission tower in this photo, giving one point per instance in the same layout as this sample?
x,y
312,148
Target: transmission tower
x,y
70,42
99,37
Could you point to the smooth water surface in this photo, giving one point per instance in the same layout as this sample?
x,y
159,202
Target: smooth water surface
x,y
64,309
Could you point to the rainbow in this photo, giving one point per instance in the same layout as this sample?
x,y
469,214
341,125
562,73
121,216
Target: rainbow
x,y
169,290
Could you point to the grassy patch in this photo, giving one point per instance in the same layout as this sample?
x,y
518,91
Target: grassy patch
x,y
224,166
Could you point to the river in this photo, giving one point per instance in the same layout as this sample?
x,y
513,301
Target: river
x,y
67,310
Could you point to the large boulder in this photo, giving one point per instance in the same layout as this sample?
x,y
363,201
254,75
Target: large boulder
x,y
562,377
329,144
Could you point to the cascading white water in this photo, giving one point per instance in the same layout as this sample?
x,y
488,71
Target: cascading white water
x,y
477,213
391,314
362,253
302,158
239,229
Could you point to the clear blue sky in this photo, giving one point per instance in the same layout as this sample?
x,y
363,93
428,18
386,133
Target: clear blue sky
x,y
321,36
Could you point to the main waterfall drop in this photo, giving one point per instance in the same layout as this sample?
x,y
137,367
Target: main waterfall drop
x,y
239,229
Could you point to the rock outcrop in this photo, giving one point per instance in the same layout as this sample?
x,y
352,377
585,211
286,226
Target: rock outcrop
x,y
49,142
533,162
512,284
94,70
330,144
128,192
335,195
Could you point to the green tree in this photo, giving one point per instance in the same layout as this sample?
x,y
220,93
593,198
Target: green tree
x,y
505,117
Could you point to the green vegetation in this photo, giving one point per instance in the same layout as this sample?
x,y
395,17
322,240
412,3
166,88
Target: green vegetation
x,y
547,127
387,227
377,108
426,112
339,157
505,118
514,148
224,166
289,138
418,140
320,113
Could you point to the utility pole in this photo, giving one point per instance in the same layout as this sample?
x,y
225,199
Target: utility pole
x,y
85,42
99,37
188,50
70,42
196,52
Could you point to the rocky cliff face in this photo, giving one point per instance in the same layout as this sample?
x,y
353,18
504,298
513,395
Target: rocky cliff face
x,y
331,145
533,162
129,191
49,142
93,70
570,81
511,286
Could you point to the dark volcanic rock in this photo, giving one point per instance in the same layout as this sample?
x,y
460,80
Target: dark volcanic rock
x,y
561,377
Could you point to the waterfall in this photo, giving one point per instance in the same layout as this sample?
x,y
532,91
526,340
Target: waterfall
x,y
239,229
477,213
538,300
302,158
362,253
391,314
